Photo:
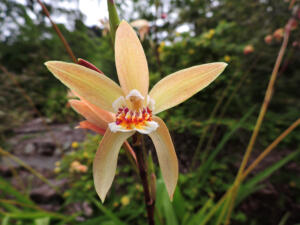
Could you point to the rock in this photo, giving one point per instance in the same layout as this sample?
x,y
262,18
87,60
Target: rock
x,y
44,194
5,171
45,148
33,126
29,149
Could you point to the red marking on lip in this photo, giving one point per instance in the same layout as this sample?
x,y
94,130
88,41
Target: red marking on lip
x,y
129,119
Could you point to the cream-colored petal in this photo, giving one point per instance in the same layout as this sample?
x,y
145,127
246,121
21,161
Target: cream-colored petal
x,y
90,126
103,114
166,155
177,87
96,88
89,114
105,161
131,61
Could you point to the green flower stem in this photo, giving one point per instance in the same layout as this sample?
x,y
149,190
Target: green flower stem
x,y
140,155
113,19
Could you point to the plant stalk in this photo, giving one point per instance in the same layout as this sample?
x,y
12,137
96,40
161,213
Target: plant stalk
x,y
259,121
250,168
60,35
142,166
113,19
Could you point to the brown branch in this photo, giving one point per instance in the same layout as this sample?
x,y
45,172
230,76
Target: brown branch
x,y
60,35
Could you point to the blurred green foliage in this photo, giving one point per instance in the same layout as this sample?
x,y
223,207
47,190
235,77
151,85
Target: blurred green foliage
x,y
217,31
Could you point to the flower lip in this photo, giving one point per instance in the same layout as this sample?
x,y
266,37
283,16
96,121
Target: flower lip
x,y
133,113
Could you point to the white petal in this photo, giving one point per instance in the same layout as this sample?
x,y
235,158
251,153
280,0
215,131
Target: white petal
x,y
119,103
114,128
150,126
150,103
134,93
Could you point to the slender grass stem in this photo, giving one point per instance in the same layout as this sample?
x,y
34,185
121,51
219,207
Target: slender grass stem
x,y
224,209
8,201
251,167
227,103
206,128
223,110
259,121
270,148
60,35
29,168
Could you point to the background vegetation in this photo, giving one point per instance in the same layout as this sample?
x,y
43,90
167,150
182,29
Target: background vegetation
x,y
211,131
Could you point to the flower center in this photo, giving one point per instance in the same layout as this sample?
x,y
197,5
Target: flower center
x,y
131,119
133,113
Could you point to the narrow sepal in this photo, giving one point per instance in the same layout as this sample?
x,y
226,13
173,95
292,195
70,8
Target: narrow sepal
x,y
166,155
178,87
91,85
131,61
105,161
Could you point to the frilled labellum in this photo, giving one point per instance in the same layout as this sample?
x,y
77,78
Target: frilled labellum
x,y
133,113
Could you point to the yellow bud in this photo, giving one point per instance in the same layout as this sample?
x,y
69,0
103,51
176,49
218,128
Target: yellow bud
x,y
57,170
57,163
125,200
75,144
227,58
191,51
211,194
85,155
292,184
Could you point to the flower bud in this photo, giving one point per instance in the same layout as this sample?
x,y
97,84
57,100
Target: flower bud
x,y
278,34
248,49
268,39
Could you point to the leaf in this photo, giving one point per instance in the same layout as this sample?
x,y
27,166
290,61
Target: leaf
x,y
107,212
179,205
247,188
198,217
42,221
204,170
284,218
10,190
5,220
28,215
163,204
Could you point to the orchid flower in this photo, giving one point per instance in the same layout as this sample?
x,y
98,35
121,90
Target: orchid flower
x,y
143,27
135,109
